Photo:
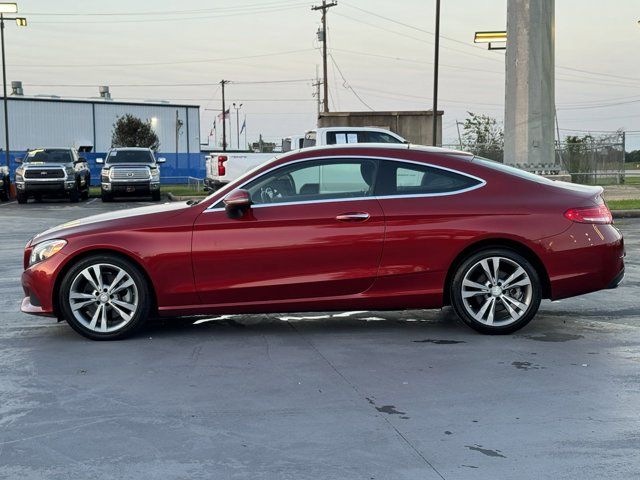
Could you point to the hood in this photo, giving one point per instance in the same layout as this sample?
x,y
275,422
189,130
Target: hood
x,y
129,165
105,220
39,165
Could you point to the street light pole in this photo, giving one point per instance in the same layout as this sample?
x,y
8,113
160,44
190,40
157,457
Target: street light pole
x,y
4,89
434,118
237,109
7,7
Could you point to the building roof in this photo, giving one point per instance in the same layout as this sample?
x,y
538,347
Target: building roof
x,y
97,100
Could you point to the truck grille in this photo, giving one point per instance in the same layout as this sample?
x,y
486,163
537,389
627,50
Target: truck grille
x,y
44,173
130,174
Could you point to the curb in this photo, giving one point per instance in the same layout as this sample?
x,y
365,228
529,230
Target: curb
x,y
626,213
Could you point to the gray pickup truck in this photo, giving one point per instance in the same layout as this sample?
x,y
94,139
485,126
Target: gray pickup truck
x,y
130,172
52,172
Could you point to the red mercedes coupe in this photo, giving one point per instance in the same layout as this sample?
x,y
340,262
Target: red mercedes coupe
x,y
365,227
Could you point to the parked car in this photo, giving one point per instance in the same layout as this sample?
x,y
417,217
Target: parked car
x,y
130,172
335,228
222,168
5,184
52,172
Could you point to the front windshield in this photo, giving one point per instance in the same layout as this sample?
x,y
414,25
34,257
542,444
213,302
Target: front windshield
x,y
130,156
49,155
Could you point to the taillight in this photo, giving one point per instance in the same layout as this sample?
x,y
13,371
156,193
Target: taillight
x,y
222,171
599,214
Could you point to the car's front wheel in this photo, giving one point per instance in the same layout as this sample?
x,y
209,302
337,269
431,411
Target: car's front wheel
x,y
105,297
496,291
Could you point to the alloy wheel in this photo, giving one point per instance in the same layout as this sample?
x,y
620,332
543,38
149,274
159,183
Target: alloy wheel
x,y
103,298
496,291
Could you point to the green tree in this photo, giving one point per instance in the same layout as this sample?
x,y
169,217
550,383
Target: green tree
x,y
483,136
130,131
633,157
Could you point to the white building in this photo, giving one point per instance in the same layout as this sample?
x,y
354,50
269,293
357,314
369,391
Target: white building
x,y
56,122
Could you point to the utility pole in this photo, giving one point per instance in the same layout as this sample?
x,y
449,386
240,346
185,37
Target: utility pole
x,y
324,7
316,85
224,116
434,119
178,127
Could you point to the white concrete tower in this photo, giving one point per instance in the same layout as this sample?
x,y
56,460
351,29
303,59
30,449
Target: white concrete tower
x,y
530,84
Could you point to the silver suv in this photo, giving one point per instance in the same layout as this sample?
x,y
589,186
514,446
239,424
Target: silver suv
x,y
130,171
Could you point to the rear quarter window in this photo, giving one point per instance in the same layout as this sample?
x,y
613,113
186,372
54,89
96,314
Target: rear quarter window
x,y
400,178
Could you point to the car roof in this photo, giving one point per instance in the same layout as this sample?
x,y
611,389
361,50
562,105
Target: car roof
x,y
386,146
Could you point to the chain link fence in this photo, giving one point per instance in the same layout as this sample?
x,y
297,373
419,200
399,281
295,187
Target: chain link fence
x,y
588,159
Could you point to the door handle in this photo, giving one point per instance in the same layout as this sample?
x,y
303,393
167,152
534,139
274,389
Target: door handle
x,y
353,217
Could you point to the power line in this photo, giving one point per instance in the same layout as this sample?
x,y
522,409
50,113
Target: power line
x,y
147,85
347,85
165,12
179,62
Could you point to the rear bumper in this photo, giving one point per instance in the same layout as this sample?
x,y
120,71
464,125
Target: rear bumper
x,y
586,258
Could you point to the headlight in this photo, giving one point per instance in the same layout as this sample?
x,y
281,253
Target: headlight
x,y
45,250
155,174
4,170
104,174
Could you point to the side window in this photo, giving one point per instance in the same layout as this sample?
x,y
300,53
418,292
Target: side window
x,y
315,180
339,138
379,137
399,178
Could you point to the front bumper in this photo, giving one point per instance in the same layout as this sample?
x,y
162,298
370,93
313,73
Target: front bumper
x,y
130,188
60,186
38,283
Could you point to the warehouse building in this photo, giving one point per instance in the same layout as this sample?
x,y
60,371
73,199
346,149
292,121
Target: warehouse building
x,y
47,121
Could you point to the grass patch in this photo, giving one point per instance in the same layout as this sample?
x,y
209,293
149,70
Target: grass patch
x,y
178,190
183,190
624,204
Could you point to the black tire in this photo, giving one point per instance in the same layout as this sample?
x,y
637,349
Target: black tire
x,y
106,197
155,196
5,192
143,291
531,296
85,192
38,198
74,194
22,197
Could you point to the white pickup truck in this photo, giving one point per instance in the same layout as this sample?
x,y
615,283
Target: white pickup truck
x,y
225,167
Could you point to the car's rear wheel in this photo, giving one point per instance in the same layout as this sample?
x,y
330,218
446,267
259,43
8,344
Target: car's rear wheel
x,y
105,297
496,291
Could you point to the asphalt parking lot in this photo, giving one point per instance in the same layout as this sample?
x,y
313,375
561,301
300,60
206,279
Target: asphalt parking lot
x,y
352,395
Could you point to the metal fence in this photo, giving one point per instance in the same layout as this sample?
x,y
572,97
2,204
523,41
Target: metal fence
x,y
589,160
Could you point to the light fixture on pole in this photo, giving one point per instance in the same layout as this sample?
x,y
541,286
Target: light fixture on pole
x,y
237,109
7,7
492,37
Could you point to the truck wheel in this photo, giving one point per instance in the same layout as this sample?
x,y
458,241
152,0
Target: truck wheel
x,y
4,193
22,197
85,192
74,194
106,197
155,196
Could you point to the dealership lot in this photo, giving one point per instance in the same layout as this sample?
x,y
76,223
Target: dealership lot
x,y
371,395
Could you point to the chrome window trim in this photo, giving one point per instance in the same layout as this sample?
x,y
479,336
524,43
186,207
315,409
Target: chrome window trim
x,y
350,199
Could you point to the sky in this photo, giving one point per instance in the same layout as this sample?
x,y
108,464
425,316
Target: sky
x,y
381,57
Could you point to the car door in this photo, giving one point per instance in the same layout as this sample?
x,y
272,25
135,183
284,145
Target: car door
x,y
315,231
428,213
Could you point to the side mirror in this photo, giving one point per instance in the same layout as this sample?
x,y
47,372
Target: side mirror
x,y
81,160
18,159
99,160
236,203
161,160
